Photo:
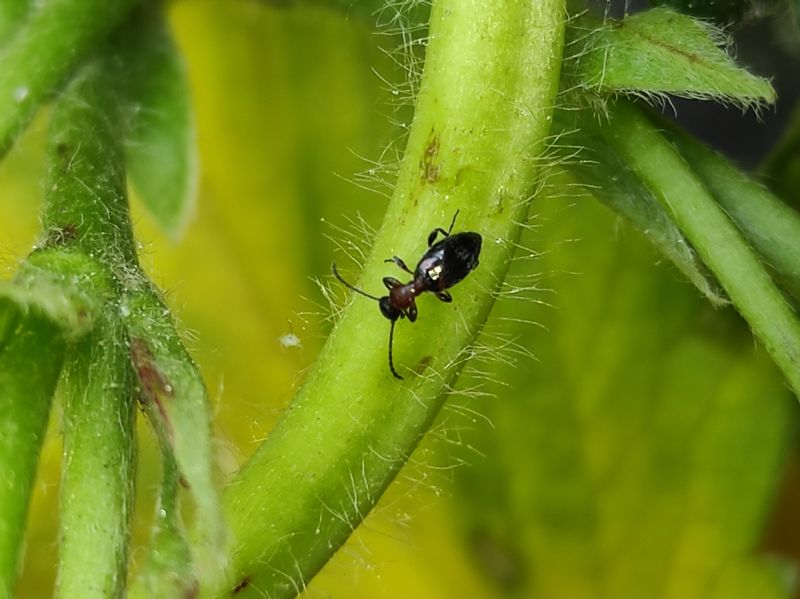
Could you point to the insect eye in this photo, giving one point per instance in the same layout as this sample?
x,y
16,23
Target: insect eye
x,y
387,309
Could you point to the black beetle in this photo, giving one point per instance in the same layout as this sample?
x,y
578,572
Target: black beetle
x,y
445,263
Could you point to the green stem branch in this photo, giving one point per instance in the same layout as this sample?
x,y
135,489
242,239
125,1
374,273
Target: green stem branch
x,y
86,212
715,237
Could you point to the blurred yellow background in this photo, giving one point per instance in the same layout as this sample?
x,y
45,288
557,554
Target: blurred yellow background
x,y
617,438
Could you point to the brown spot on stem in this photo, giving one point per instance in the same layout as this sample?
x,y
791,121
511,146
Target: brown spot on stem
x,y
243,583
429,166
154,386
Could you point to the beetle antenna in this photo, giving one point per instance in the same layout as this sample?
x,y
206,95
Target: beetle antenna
x,y
353,287
453,222
391,362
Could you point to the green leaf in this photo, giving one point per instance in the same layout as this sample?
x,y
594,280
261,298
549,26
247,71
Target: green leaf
x,y
610,179
53,41
160,147
30,362
66,286
659,52
12,15
167,570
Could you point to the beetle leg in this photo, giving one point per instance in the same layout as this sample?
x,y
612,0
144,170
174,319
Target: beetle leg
x,y
399,261
444,296
437,230
434,233
411,313
452,222
391,343
391,283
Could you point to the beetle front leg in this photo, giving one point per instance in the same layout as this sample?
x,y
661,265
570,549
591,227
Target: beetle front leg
x,y
391,283
399,261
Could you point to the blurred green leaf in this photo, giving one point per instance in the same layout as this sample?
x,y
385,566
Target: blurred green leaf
x,y
659,52
12,15
167,570
642,450
781,169
160,148
40,57
30,362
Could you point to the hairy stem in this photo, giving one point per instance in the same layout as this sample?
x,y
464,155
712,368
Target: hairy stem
x,y
483,112
86,212
772,227
715,237
97,481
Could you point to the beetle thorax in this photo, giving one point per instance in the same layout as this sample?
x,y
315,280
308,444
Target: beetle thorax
x,y
402,296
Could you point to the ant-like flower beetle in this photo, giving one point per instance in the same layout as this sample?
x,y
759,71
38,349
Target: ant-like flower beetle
x,y
445,263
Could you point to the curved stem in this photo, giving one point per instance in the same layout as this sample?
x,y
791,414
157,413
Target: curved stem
x,y
482,115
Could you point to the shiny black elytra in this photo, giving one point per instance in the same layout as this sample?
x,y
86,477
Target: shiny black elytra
x,y
445,263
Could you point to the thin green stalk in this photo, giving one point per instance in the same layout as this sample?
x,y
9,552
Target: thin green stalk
x,y
715,237
770,225
98,468
29,366
47,48
482,115
86,212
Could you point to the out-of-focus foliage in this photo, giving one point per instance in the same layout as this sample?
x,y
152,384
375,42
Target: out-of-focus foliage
x,y
627,460
639,452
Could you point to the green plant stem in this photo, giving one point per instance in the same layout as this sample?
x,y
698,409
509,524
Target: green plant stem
x,y
29,366
176,402
85,211
98,469
770,225
482,115
47,48
715,237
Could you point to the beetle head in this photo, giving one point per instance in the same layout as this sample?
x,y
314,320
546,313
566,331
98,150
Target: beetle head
x,y
387,309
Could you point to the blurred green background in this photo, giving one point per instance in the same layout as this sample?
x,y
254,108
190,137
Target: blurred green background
x,y
615,436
